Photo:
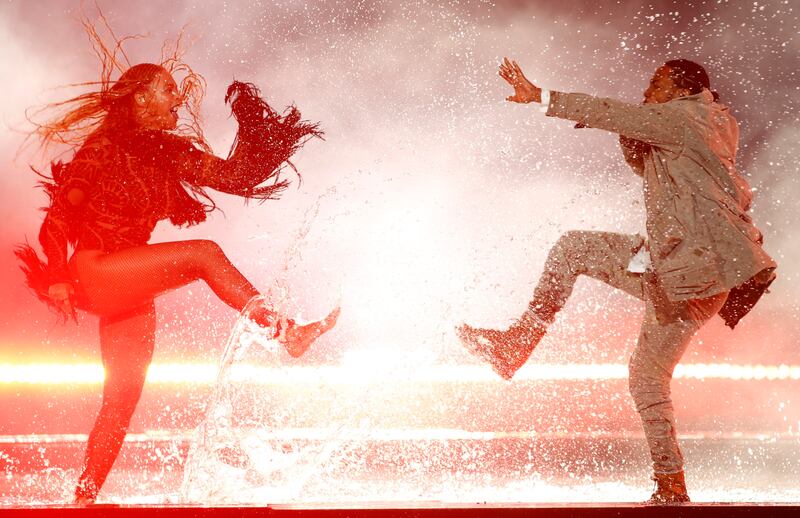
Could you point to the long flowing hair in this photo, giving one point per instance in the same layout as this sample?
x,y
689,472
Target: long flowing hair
x,y
108,104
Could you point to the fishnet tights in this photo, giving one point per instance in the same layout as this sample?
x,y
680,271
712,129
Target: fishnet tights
x,y
119,281
120,288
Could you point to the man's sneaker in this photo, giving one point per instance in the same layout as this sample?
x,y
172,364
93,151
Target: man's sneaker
x,y
297,339
506,351
670,489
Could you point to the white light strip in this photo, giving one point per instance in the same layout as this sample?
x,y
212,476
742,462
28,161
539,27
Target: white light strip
x,y
396,434
206,373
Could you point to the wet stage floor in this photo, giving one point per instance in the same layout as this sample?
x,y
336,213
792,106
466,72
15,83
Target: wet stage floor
x,y
413,471
478,447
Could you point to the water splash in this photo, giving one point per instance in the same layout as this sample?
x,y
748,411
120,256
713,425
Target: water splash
x,y
235,451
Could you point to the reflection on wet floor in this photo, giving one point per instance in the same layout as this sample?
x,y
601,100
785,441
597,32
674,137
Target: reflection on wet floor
x,y
303,471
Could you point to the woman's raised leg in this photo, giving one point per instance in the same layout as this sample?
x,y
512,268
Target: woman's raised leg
x,y
128,278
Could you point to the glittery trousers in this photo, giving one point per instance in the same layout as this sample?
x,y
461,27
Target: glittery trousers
x,y
662,340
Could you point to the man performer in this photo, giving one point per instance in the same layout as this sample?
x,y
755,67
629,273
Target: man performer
x,y
702,256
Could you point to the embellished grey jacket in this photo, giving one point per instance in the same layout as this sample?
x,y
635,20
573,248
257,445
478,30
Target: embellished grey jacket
x,y
702,240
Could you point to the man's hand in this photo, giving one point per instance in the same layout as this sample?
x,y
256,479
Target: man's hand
x,y
524,90
61,293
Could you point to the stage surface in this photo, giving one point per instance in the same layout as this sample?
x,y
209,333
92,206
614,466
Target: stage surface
x,y
426,510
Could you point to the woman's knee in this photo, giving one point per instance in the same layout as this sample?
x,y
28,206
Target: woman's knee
x,y
202,256
205,245
204,248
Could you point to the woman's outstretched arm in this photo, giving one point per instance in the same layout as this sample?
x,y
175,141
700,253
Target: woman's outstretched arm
x,y
262,149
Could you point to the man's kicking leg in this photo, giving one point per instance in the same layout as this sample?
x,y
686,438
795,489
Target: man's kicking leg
x,y
604,256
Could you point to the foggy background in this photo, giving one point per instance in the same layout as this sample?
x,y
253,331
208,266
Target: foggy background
x,y
432,201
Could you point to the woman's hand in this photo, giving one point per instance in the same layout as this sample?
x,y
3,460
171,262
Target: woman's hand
x,y
524,90
61,294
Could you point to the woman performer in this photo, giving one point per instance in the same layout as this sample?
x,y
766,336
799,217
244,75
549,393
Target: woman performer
x,y
130,171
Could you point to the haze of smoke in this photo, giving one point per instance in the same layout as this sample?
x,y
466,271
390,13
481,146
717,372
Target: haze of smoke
x,y
446,197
